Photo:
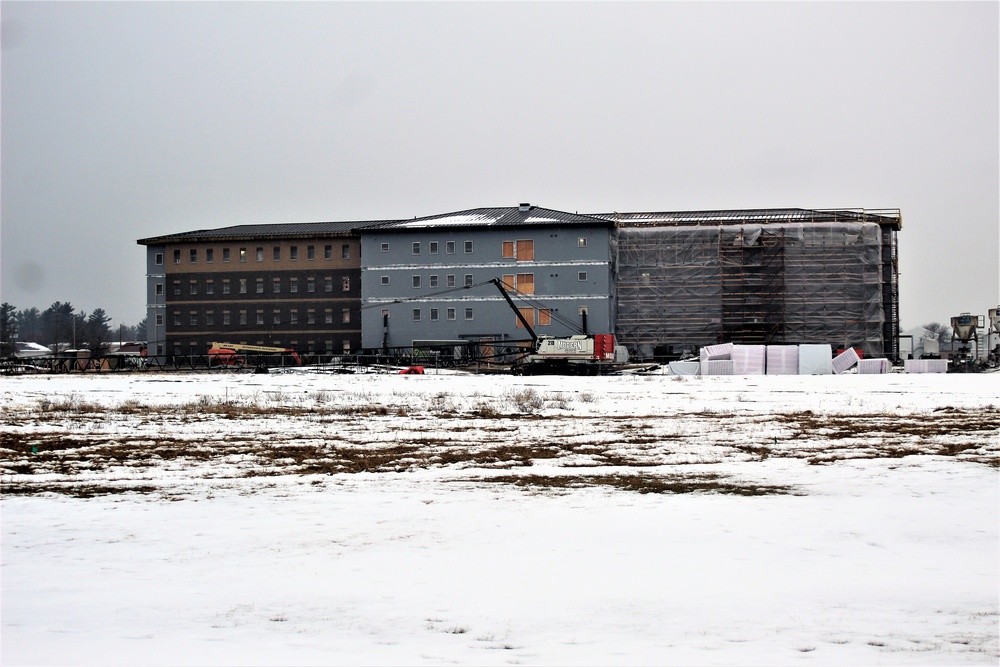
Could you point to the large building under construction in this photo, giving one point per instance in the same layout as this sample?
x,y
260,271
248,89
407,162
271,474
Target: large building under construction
x,y
664,283
771,276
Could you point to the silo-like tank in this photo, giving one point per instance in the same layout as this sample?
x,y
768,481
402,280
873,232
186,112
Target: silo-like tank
x,y
964,327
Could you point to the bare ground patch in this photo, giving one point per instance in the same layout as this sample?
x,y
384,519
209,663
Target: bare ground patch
x,y
73,445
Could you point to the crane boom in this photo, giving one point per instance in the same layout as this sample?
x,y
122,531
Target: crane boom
x,y
517,311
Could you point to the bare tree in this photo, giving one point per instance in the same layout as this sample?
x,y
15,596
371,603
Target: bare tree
x,y
941,332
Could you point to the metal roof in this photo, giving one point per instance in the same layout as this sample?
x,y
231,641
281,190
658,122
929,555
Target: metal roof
x,y
281,230
504,216
527,215
891,217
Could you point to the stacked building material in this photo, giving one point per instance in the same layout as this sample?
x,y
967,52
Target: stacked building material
x,y
749,359
717,367
782,359
815,359
926,365
874,366
845,360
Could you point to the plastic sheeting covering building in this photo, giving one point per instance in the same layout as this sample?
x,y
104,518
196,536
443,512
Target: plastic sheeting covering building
x,y
683,284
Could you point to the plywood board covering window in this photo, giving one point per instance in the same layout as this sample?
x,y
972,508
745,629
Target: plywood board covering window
x,y
525,250
528,314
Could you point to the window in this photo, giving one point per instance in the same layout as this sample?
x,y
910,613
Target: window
x,y
209,287
468,313
159,289
583,310
345,251
225,254
209,255
276,253
525,250
450,281
177,256
310,252
468,247
432,247
528,314
225,318
293,285
524,283
276,317
416,314
193,287
449,247
177,318
194,256
225,285
260,254
158,259
433,281
293,317
177,288
260,286
468,280
310,285
581,276
345,315
243,285
311,317
385,313
328,284
451,313
416,247
416,281
260,317
385,247
345,345
328,252
276,285
194,319
385,280
159,319
507,250
328,316
345,284
293,253
544,317
243,254
581,242
434,314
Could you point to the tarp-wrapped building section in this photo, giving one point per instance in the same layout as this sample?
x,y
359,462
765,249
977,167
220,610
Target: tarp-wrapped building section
x,y
776,276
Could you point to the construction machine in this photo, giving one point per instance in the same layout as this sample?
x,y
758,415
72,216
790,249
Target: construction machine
x,y
233,355
581,354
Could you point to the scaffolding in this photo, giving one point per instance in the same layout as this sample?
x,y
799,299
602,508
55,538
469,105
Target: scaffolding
x,y
686,285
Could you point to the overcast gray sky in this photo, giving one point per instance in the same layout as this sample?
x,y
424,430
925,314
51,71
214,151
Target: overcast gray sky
x,y
127,120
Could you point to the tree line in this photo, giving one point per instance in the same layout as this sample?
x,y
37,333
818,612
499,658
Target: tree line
x,y
61,326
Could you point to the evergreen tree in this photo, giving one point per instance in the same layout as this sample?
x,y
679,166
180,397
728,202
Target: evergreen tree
x,y
97,330
8,329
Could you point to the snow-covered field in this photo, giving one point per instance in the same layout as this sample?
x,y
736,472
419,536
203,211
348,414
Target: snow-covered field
x,y
309,518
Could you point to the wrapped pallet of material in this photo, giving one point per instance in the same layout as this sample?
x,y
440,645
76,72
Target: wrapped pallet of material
x,y
717,367
685,367
749,359
815,359
845,360
874,366
926,365
782,359
716,352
